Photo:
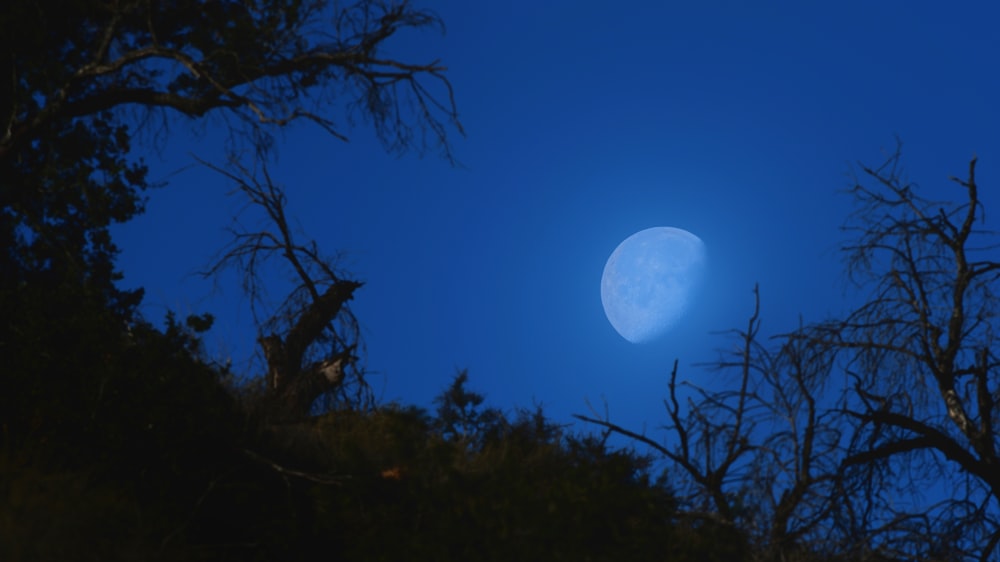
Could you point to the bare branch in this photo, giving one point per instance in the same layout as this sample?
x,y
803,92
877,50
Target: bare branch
x,y
308,342
267,88
925,329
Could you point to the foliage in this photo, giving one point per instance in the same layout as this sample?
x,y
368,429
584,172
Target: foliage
x,y
388,485
459,416
57,515
374,485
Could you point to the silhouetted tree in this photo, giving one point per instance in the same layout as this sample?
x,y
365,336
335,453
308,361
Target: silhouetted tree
x,y
872,437
89,387
761,458
262,63
460,415
308,341
920,358
81,79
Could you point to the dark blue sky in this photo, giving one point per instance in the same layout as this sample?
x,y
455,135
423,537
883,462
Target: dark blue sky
x,y
737,121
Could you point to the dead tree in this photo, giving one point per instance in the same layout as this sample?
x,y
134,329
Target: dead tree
x,y
761,457
874,436
310,340
919,357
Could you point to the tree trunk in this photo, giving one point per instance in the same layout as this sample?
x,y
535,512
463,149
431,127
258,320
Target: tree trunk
x,y
291,386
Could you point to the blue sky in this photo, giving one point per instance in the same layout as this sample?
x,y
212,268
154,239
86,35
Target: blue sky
x,y
737,121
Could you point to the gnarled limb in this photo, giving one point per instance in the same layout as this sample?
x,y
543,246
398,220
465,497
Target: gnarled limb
x,y
309,341
267,66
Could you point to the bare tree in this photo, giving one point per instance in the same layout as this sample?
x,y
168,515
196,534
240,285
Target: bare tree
x,y
874,436
309,341
921,365
762,457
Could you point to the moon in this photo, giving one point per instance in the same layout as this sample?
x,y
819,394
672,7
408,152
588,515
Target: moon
x,y
649,280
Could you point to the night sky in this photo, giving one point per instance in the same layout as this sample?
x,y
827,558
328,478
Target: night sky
x,y
738,121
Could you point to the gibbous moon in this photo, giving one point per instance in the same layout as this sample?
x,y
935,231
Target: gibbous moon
x,y
649,279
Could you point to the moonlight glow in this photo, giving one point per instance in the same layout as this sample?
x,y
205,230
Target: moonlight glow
x,y
648,281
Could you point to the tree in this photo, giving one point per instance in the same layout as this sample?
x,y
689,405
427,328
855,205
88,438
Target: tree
x,y
869,437
84,76
760,459
308,341
920,355
83,80
89,390
460,417
263,63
